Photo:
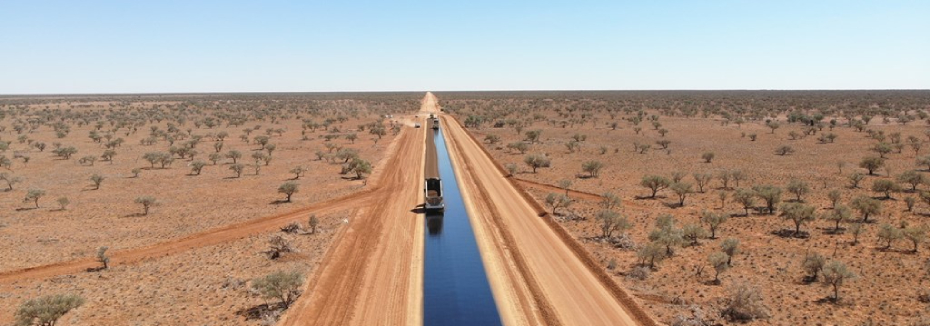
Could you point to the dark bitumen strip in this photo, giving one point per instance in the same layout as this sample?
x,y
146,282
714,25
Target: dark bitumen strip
x,y
455,287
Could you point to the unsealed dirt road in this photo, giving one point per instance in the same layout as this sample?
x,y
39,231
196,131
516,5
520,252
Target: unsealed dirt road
x,y
536,275
374,274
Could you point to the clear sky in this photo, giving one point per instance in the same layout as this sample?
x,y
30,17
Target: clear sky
x,y
267,46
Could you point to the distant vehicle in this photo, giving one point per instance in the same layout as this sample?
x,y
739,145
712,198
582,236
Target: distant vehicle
x,y
416,125
433,194
435,123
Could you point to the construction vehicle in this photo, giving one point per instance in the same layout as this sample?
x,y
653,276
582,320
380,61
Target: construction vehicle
x,y
433,194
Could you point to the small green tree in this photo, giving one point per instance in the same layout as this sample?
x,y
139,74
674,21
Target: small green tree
x,y
197,167
536,161
63,203
718,260
237,168
147,202
730,246
885,186
313,222
45,311
871,163
916,235
866,206
655,183
714,220
682,190
284,286
288,189
798,188
650,254
592,168
798,214
666,234
707,157
102,257
33,196
770,194
912,178
813,264
693,233
97,180
745,197
610,222
839,214
835,273
888,234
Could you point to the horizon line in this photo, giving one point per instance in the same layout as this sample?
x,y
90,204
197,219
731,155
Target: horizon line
x,y
469,91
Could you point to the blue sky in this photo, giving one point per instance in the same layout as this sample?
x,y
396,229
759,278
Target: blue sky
x,y
266,46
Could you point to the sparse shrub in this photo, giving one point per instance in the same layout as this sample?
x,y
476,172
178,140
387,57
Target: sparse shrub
x,y
784,150
714,220
592,168
197,167
916,235
681,189
610,222
813,264
102,257
745,304
888,234
278,245
33,196
650,254
912,178
536,161
556,201
718,260
610,201
313,222
135,172
97,180
770,194
237,168
834,196
284,286
745,197
655,183
730,246
666,234
798,188
707,157
702,179
871,163
288,189
693,233
797,213
835,273
855,179
511,169
63,203
885,186
45,311
10,180
909,201
147,203
839,214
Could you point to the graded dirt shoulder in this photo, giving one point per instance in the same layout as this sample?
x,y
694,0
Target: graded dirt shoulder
x,y
564,287
374,274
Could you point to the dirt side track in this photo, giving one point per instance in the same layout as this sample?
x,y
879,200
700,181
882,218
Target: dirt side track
x,y
374,275
568,287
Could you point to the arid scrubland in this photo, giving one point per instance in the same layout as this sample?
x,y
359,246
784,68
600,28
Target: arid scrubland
x,y
84,177
719,207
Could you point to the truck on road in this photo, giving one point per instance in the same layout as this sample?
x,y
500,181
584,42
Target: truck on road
x,y
433,194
